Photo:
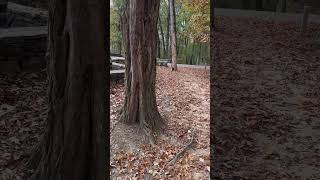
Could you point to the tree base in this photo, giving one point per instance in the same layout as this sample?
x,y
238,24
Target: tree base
x,y
154,124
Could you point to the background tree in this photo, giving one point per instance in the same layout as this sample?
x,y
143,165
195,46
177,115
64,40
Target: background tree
x,y
74,144
173,35
115,26
213,26
259,5
196,30
162,36
192,30
140,31
282,6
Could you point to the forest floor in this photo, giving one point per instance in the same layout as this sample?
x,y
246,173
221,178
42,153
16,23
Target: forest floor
x,y
183,101
23,110
266,95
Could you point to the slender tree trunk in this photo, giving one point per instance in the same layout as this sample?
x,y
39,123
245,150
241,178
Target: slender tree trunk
x,y
141,42
173,36
74,145
186,50
158,44
168,34
185,42
126,43
282,6
177,49
259,5
245,4
120,43
162,37
191,59
199,54
3,12
214,28
122,18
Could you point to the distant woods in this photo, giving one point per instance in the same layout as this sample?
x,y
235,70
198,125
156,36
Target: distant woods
x,y
291,6
192,30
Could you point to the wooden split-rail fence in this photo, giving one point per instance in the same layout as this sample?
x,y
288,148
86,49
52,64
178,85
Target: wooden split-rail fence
x,y
118,69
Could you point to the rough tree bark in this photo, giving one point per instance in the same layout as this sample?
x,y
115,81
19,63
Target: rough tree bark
x,y
173,36
74,144
140,43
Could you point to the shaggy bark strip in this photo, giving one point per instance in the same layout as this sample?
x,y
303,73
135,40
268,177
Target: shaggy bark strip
x,y
74,144
140,29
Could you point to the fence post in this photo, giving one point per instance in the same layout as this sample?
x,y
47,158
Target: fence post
x,y
304,24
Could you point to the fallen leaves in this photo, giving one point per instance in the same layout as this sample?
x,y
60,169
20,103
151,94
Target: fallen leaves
x,y
265,83
182,98
22,113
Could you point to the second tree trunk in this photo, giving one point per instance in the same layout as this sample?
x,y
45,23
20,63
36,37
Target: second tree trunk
x,y
140,39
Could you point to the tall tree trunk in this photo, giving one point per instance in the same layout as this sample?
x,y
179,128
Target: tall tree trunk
x,y
259,5
119,29
282,6
173,36
122,19
213,16
128,73
158,44
185,42
3,13
245,4
199,54
186,50
168,34
141,42
177,49
191,58
162,37
74,144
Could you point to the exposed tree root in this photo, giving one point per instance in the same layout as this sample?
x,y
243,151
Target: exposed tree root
x,y
36,155
114,126
40,163
175,158
150,136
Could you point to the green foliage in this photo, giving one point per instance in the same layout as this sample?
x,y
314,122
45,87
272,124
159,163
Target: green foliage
x,y
193,29
197,15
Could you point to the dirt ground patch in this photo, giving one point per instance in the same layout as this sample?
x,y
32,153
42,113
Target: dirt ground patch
x,y
266,100
183,100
